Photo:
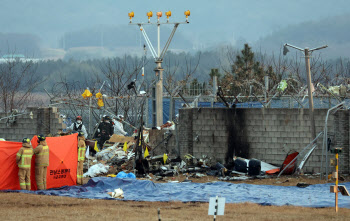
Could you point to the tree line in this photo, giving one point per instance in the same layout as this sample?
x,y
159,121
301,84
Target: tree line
x,y
236,70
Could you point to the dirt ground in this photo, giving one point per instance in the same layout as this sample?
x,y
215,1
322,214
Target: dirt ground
x,y
20,206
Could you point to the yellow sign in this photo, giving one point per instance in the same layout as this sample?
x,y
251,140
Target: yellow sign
x,y
86,94
146,153
99,95
165,157
96,148
100,103
125,148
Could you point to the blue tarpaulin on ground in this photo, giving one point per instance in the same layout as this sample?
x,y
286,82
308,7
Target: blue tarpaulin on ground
x,y
144,190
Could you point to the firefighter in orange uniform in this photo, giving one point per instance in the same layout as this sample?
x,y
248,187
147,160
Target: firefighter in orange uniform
x,y
24,161
41,162
81,157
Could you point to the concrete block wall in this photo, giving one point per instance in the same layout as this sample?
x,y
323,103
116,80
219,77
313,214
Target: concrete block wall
x,y
45,121
273,133
186,133
155,139
265,134
341,139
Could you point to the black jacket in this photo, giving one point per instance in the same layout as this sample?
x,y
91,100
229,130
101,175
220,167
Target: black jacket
x,y
106,129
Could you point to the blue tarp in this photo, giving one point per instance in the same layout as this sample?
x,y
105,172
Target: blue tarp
x,y
144,190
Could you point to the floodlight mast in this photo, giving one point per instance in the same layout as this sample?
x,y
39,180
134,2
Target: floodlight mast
x,y
307,52
157,92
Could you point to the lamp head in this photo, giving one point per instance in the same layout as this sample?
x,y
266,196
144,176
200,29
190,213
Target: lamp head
x,y
285,49
159,14
168,14
149,15
131,15
187,13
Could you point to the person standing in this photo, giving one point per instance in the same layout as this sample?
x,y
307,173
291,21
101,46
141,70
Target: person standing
x,y
118,126
78,126
105,131
24,162
41,162
81,157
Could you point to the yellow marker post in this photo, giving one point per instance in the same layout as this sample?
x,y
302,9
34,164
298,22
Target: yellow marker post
x,y
336,183
337,188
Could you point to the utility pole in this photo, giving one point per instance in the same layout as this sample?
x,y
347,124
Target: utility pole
x,y
307,52
157,95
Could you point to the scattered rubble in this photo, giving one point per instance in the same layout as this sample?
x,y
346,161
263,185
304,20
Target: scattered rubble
x,y
117,159
96,169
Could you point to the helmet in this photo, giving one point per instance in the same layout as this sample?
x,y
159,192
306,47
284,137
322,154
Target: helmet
x,y
26,140
119,117
80,133
79,118
107,118
41,137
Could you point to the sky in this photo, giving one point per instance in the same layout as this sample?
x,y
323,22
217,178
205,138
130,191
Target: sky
x,y
211,21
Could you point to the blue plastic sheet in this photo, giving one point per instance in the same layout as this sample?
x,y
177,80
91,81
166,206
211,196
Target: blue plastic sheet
x,y
122,175
144,190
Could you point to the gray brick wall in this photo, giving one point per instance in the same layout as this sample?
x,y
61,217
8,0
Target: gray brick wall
x,y
265,134
341,138
45,121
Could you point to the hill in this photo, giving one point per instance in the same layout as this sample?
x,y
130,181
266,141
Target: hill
x,y
333,31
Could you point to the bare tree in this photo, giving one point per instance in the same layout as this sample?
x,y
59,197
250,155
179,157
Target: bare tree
x,y
177,77
119,73
18,80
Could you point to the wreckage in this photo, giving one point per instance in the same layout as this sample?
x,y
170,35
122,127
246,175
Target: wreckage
x,y
131,157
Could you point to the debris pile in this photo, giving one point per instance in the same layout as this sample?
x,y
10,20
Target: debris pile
x,y
96,170
131,157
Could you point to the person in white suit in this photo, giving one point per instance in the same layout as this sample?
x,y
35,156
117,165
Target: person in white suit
x,y
118,126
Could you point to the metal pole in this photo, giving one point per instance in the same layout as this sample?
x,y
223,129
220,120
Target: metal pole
x,y
216,207
336,183
311,102
116,106
325,138
177,137
266,78
154,111
147,112
159,86
90,117
158,40
171,108
215,85
157,104
159,93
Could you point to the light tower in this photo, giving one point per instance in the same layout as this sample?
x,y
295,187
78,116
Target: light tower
x,y
157,91
307,52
